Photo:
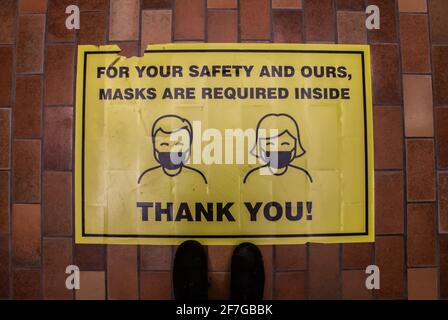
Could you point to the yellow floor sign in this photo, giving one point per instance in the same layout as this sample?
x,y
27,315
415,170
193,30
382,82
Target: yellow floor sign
x,y
224,143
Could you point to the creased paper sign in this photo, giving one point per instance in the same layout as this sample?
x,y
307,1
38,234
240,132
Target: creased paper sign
x,y
224,143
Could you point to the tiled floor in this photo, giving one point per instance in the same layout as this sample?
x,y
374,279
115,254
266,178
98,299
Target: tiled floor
x,y
410,94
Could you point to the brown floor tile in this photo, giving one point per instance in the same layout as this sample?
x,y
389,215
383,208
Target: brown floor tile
x,y
290,285
388,28
222,4
57,30
386,74
220,258
222,26
219,288
156,27
93,29
4,202
8,18
57,203
441,118
156,258
26,233
418,109
412,5
440,74
90,257
28,108
255,20
122,274
351,27
317,28
57,255
6,76
443,280
5,138
155,285
443,202
58,138
439,23
124,20
354,285
30,44
287,4
420,170
357,255
422,284
96,5
421,231
357,5
287,26
32,6
26,285
26,168
290,257
324,271
390,260
388,136
92,286
4,267
189,20
59,75
414,38
268,260
389,196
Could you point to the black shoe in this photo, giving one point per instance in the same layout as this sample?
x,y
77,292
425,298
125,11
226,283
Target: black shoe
x,y
247,274
190,272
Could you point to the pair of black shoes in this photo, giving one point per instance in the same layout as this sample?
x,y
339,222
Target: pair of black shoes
x,y
190,277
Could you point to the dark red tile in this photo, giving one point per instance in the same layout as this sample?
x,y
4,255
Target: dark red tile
x,y
226,4
156,257
267,252
156,27
388,135
26,234
32,6
319,28
357,5
222,26
351,27
439,23
6,76
189,20
414,38
389,197
90,256
124,20
95,5
440,74
385,60
59,75
26,285
122,274
255,20
58,138
354,285
220,257
57,203
28,108
388,27
443,202
92,28
8,11
4,267
324,271
420,170
57,255
4,202
389,256
287,26
155,285
26,168
219,288
5,138
357,255
423,284
128,49
30,44
443,249
441,128
421,231
57,30
290,285
157,4
290,257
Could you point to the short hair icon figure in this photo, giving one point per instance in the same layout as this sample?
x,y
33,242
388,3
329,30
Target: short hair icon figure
x,y
172,154
279,149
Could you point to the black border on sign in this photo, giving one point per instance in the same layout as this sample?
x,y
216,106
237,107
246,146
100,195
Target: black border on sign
x,y
224,236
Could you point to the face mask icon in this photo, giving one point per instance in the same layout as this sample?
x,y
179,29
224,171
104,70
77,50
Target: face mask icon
x,y
279,159
171,160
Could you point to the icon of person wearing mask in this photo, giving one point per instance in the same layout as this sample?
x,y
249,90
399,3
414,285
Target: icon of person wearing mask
x,y
172,137
277,151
